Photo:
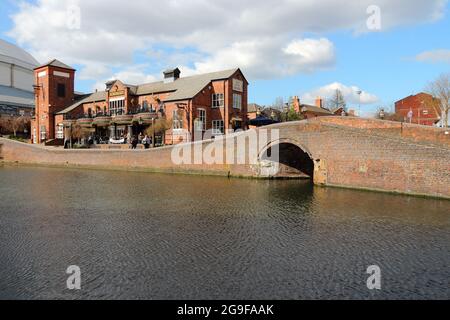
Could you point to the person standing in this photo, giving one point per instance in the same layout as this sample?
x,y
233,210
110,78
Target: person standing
x,y
146,142
134,142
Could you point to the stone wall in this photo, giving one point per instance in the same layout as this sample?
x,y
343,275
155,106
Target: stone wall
x,y
347,152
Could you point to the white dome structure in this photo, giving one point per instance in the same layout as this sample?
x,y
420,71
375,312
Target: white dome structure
x,y
16,78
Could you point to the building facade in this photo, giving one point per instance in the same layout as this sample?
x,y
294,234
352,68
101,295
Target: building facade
x,y
16,80
419,109
188,106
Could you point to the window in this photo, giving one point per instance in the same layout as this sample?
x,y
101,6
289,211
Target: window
x,y
177,120
43,133
201,121
117,107
61,90
60,131
217,100
217,127
237,101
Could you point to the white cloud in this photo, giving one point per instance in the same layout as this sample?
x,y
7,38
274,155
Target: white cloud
x,y
132,75
350,94
265,38
434,56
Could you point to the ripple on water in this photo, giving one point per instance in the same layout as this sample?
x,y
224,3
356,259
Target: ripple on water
x,y
149,236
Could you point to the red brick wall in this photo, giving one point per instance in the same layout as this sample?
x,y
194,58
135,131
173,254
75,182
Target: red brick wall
x,y
48,103
423,111
345,153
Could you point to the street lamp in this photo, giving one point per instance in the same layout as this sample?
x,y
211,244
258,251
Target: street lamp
x,y
359,92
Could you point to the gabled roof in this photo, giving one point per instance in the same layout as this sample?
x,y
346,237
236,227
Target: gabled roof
x,y
93,97
56,63
310,108
180,89
253,107
186,87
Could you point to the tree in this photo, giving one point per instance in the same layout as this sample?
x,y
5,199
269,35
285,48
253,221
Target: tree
x,y
79,133
291,115
159,126
19,124
337,101
440,90
278,103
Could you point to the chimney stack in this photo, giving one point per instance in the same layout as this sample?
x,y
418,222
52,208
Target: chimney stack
x,y
319,102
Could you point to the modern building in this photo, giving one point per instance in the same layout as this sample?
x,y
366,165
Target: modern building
x,y
190,105
16,80
420,109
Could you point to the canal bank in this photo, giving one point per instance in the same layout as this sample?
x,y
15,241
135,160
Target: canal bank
x,y
370,157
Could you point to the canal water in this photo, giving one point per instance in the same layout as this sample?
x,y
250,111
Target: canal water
x,y
151,236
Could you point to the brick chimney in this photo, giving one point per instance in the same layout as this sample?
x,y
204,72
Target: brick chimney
x,y
319,102
296,104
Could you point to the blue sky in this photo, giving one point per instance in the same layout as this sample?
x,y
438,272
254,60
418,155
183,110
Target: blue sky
x,y
383,64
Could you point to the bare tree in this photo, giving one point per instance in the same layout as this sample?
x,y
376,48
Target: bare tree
x,y
440,90
278,103
337,101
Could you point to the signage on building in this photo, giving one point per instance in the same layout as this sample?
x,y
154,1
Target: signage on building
x,y
238,85
117,93
410,114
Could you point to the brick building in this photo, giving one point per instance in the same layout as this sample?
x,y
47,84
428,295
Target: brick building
x,y
191,105
422,107
310,111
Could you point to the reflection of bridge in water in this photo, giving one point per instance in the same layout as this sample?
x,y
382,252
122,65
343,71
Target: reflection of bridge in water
x,y
332,151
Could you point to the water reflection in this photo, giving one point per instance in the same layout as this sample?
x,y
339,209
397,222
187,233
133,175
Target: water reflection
x,y
152,236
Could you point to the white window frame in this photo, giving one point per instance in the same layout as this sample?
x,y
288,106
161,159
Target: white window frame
x,y
201,119
60,131
177,120
237,101
218,127
116,105
218,100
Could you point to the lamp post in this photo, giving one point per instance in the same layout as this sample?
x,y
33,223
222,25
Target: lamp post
x,y
359,92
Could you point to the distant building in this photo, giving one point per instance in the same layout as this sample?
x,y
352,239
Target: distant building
x,y
191,105
310,111
420,109
16,80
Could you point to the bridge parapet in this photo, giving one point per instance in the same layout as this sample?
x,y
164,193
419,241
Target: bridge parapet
x,y
414,132
353,153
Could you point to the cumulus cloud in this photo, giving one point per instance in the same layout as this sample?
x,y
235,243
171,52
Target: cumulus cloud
x,y
434,56
266,38
350,94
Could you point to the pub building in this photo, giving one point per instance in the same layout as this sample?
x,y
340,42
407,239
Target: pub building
x,y
214,101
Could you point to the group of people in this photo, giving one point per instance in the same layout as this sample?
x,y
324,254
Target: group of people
x,y
141,139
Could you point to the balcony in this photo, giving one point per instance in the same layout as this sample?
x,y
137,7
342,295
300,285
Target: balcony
x,y
102,120
122,119
145,117
85,122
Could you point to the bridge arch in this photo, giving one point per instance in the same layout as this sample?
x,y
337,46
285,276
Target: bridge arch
x,y
294,160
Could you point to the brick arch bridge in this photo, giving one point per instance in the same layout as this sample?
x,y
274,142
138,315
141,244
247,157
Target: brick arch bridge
x,y
332,151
